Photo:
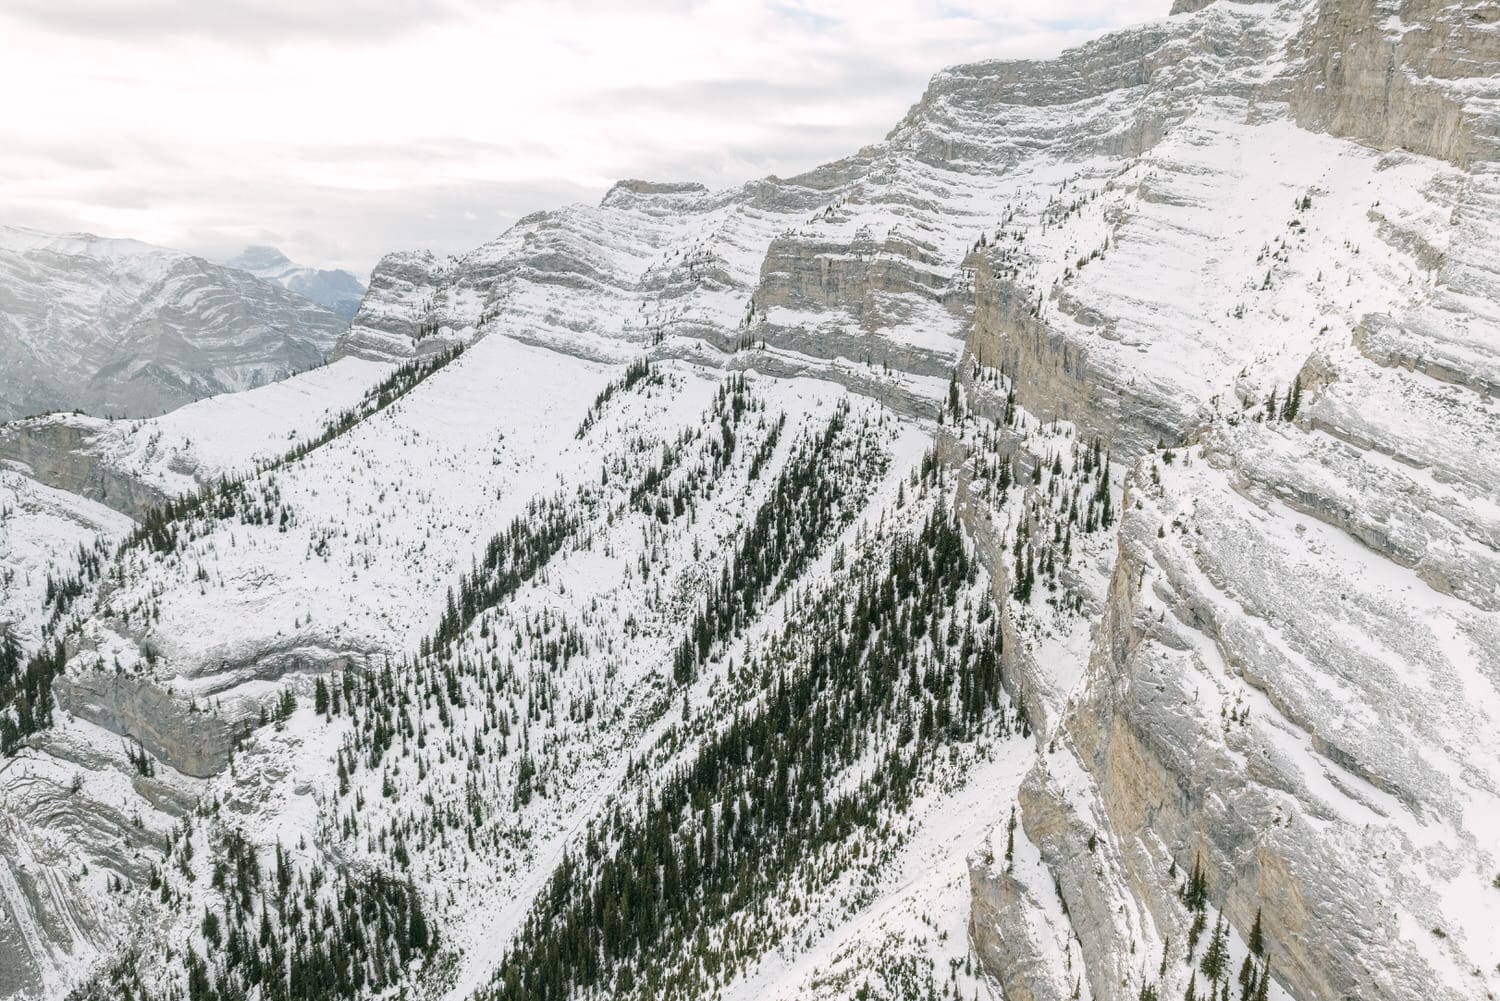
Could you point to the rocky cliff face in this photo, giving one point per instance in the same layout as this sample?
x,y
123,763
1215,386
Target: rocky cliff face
x,y
59,452
1291,593
121,328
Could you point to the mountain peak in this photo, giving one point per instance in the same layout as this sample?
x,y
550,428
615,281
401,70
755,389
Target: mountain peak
x,y
25,240
624,190
340,291
259,257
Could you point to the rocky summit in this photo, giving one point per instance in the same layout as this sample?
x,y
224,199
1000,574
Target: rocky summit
x,y
337,290
1051,553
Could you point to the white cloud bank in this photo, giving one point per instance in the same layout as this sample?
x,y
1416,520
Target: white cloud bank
x,y
340,130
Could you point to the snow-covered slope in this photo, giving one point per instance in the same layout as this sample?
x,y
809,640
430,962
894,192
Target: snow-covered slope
x,y
131,465
123,328
338,290
42,530
1052,553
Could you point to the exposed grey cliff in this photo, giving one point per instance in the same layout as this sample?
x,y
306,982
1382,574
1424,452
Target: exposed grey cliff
x,y
1257,700
1251,249
61,453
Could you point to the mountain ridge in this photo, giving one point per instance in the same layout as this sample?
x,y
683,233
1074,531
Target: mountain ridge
x,y
1047,553
336,289
131,329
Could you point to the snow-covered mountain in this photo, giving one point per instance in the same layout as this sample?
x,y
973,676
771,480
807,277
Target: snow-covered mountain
x,y
1050,553
123,328
338,290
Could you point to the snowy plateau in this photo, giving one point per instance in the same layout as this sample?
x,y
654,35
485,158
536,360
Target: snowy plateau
x,y
1052,553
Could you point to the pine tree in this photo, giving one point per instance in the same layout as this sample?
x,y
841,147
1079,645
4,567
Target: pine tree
x,y
1263,988
1247,977
1195,895
1217,953
416,930
1293,399
1257,936
1010,839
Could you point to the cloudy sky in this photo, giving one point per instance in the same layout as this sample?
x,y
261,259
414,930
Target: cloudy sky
x,y
340,130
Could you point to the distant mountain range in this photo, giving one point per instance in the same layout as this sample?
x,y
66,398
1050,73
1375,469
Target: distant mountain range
x,y
340,291
123,328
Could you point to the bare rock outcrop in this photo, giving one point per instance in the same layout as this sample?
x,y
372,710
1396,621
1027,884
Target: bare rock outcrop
x,y
59,453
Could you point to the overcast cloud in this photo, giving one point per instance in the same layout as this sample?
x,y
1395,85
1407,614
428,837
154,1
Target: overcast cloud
x,y
340,130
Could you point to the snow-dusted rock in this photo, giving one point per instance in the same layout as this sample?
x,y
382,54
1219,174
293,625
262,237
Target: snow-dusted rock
x,y
1271,658
338,290
123,328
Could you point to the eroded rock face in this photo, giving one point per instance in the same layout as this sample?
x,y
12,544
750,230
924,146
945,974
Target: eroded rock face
x,y
58,453
194,742
79,836
874,244
1000,926
1299,804
49,836
1384,73
1053,373
386,324
1296,666
858,277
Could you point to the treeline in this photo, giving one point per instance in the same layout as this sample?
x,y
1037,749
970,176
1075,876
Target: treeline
x,y
26,690
636,373
159,527
672,487
789,527
511,558
648,907
61,591
287,932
